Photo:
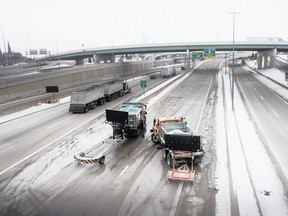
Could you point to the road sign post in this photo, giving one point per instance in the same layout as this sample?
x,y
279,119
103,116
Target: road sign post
x,y
143,85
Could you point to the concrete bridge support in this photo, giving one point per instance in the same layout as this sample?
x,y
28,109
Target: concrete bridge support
x,y
104,58
79,61
188,59
266,59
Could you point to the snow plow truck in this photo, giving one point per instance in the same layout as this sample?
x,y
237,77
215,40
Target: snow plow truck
x,y
181,146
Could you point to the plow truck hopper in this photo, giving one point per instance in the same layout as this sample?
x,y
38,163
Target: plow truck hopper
x,y
181,146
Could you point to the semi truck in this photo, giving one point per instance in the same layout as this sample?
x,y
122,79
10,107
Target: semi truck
x,y
128,120
181,146
168,71
83,101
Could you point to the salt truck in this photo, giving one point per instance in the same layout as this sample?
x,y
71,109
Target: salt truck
x,y
181,146
128,120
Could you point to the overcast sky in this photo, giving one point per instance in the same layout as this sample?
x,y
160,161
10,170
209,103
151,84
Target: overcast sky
x,y
101,23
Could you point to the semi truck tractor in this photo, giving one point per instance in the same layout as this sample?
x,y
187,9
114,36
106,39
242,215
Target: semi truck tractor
x,y
83,101
181,146
128,120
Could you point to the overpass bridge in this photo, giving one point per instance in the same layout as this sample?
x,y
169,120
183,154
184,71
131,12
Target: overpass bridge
x,y
266,50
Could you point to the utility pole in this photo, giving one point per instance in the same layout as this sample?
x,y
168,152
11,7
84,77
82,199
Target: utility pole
x,y
113,60
233,65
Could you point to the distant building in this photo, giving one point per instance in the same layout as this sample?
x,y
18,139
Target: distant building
x,y
265,39
10,57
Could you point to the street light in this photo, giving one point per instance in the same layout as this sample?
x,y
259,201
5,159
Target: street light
x,y
233,47
113,59
57,50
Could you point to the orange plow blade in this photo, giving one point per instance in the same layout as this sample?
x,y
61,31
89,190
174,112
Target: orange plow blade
x,y
182,173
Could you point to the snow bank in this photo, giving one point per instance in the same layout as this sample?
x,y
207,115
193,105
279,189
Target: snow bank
x,y
255,182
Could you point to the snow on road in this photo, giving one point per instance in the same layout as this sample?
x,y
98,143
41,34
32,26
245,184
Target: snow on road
x,y
256,184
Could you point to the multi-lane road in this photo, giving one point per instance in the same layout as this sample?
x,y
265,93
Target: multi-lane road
x,y
38,175
270,112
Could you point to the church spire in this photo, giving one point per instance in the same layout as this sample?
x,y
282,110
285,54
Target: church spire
x,y
9,48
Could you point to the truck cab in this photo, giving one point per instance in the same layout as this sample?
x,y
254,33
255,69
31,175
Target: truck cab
x,y
157,124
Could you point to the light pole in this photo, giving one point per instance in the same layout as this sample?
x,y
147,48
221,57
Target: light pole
x,y
113,59
28,40
233,48
56,40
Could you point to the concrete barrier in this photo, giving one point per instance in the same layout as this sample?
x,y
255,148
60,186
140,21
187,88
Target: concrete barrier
x,y
19,88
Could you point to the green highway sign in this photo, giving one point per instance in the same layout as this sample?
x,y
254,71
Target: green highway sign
x,y
197,55
209,52
143,83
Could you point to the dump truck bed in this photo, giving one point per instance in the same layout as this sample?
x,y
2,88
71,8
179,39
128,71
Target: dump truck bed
x,y
178,136
87,95
112,88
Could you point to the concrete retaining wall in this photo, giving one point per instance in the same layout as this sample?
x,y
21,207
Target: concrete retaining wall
x,y
33,85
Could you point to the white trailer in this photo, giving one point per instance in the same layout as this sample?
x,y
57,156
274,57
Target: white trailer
x,y
116,89
168,71
82,101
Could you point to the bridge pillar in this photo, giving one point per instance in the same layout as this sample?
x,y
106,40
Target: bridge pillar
x,y
104,58
188,59
79,61
266,59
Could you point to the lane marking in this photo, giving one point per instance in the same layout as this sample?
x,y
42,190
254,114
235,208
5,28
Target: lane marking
x,y
275,114
22,126
55,124
123,170
262,97
177,197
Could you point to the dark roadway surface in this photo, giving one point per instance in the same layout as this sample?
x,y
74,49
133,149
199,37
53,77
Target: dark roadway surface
x,y
133,180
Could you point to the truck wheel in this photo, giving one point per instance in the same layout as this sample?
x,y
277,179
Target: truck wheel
x,y
164,153
154,138
94,105
86,108
169,160
102,160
